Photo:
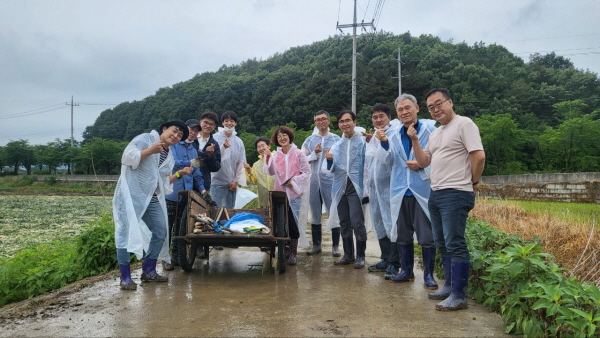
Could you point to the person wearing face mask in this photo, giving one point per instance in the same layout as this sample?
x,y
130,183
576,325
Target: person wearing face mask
x,y
292,174
139,208
183,154
320,182
410,193
378,171
224,182
256,174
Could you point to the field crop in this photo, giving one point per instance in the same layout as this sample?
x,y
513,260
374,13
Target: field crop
x,y
26,221
569,231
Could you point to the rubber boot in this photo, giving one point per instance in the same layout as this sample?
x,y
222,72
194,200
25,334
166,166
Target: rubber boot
x,y
428,263
292,260
361,247
335,239
382,265
407,260
348,257
316,238
126,282
460,280
149,273
447,288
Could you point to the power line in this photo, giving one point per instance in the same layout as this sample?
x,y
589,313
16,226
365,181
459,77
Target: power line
x,y
29,114
551,38
29,111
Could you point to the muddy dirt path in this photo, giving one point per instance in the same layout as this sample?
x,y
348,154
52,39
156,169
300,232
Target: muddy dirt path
x,y
233,296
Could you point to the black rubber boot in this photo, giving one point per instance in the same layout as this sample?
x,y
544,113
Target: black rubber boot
x,y
126,282
335,240
316,238
292,260
348,257
460,280
361,247
382,265
407,260
447,288
428,264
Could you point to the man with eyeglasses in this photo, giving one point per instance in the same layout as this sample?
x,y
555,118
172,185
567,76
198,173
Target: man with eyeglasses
x,y
346,160
457,159
409,193
208,149
320,182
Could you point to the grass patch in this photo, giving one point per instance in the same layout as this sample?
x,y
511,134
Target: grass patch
x,y
571,212
29,184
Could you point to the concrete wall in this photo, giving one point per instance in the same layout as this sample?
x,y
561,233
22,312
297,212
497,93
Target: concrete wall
x,y
567,187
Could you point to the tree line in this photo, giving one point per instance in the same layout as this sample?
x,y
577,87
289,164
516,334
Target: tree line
x,y
536,116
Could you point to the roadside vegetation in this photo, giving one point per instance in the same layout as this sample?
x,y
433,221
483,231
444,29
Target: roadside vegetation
x,y
51,185
537,270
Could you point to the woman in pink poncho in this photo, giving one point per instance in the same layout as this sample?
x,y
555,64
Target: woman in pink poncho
x,y
292,175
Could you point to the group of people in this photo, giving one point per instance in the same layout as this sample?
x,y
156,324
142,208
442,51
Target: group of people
x,y
406,177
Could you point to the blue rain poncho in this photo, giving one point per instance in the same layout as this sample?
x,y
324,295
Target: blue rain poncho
x,y
348,161
378,173
404,178
320,182
139,180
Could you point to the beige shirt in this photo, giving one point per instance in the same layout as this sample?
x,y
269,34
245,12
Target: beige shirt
x,y
449,147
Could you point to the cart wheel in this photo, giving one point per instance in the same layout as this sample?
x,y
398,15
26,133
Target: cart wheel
x,y
280,220
186,251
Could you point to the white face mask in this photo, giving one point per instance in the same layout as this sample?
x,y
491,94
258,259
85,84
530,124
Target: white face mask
x,y
228,130
188,141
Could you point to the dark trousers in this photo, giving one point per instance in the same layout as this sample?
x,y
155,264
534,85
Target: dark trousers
x,y
352,219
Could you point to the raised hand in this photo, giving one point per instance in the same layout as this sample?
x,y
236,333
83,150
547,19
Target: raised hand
x,y
369,135
210,149
156,148
412,165
328,155
318,148
380,134
412,132
226,144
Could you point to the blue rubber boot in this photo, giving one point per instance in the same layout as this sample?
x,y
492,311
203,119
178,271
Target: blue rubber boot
x,y
447,288
149,273
428,263
407,260
460,280
126,282
391,271
316,238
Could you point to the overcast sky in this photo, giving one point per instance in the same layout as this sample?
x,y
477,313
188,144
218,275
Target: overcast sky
x,y
106,52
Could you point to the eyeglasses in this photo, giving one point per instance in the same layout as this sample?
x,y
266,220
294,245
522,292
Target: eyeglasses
x,y
345,121
321,119
209,124
282,136
436,106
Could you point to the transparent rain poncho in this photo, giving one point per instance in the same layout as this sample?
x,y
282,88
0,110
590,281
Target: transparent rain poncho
x,y
139,180
292,166
232,164
378,172
348,161
404,178
320,182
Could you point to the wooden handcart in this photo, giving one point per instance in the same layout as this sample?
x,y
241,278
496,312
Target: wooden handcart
x,y
188,242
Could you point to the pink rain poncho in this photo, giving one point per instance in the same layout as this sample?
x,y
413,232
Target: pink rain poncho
x,y
292,166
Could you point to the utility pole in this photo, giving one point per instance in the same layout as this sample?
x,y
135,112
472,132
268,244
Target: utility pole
x,y
399,73
354,25
72,139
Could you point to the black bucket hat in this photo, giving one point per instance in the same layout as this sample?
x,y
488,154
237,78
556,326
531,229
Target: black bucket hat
x,y
178,123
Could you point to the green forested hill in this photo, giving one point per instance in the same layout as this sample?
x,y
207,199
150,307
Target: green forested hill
x,y
527,112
